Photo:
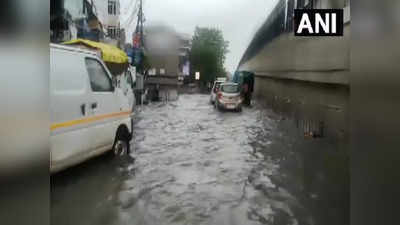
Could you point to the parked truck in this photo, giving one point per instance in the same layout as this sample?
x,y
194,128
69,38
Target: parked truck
x,y
245,79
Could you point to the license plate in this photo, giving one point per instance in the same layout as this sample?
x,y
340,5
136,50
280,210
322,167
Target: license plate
x,y
230,106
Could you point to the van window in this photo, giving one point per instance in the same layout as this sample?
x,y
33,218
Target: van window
x,y
99,79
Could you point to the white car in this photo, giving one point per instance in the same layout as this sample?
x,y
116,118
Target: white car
x,y
214,90
228,97
89,116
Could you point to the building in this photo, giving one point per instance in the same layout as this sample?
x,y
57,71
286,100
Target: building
x,y
109,12
168,56
71,19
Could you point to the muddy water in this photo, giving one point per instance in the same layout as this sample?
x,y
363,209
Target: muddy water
x,y
191,164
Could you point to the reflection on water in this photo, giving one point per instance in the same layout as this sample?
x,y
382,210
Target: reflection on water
x,y
310,128
316,117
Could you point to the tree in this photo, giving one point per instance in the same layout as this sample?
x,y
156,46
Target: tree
x,y
144,64
208,53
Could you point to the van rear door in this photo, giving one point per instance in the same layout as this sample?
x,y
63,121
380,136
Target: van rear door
x,y
69,98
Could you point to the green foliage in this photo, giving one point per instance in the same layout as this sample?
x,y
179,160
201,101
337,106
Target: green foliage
x,y
144,64
208,53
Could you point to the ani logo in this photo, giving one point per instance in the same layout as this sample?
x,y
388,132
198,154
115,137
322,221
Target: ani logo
x,y
318,22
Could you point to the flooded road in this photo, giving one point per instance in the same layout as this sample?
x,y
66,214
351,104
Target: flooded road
x,y
191,164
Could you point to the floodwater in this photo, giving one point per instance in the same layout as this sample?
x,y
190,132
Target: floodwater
x,y
191,164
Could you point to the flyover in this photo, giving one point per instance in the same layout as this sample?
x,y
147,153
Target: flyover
x,y
302,78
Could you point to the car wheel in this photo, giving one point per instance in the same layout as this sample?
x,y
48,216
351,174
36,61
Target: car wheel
x,y
121,143
219,107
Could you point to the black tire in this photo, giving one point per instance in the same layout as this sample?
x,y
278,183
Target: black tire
x,y
121,144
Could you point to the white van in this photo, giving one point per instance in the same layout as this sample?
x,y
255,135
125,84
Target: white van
x,y
89,116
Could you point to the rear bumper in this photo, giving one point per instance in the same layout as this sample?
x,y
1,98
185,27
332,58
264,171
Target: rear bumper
x,y
230,106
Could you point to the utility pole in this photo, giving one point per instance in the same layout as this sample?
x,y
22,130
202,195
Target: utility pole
x,y
139,25
138,39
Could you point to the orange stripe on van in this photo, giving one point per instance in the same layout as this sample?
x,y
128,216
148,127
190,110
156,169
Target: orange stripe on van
x,y
87,120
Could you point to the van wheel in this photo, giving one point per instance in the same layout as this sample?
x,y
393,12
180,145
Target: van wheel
x,y
121,144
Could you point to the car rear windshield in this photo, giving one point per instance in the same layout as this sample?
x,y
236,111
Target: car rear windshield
x,y
230,88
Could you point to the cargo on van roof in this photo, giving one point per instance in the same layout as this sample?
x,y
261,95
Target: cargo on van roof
x,y
116,60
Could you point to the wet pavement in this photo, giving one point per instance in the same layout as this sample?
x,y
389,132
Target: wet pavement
x,y
191,164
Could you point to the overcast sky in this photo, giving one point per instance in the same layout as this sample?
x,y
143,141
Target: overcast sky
x,y
238,19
